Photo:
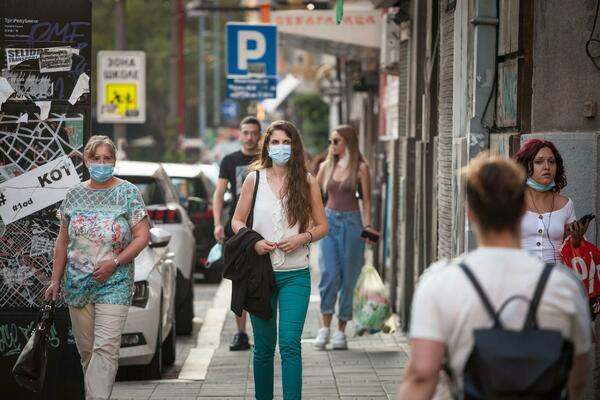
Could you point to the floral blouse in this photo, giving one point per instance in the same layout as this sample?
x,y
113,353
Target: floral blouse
x,y
99,223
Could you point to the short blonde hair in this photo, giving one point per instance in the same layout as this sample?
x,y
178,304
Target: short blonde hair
x,y
96,141
495,191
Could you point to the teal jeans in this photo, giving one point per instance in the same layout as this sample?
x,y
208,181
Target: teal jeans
x,y
292,301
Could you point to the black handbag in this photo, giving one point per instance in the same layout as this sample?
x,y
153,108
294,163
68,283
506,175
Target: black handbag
x,y
30,369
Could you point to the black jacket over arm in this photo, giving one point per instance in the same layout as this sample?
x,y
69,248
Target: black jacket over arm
x,y
251,275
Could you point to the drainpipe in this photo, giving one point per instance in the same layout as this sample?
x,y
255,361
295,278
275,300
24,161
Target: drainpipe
x,y
485,33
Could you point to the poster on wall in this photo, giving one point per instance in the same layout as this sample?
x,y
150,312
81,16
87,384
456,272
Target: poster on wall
x,y
45,47
45,68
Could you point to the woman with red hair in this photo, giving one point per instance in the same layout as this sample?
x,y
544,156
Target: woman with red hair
x,y
550,216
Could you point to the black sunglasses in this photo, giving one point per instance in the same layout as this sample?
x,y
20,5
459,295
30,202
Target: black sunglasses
x,y
334,141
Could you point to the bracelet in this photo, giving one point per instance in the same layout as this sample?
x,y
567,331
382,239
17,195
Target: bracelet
x,y
310,238
116,261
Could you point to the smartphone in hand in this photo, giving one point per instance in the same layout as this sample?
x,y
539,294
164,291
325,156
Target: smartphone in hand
x,y
371,236
586,218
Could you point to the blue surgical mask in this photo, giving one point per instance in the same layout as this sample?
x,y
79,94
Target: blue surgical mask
x,y
535,185
101,172
280,153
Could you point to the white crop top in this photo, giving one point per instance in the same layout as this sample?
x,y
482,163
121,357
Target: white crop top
x,y
542,234
271,222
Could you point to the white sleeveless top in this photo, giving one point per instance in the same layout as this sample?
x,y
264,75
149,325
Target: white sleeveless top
x,y
542,234
271,222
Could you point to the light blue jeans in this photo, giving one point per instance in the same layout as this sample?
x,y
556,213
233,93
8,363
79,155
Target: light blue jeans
x,y
341,259
292,298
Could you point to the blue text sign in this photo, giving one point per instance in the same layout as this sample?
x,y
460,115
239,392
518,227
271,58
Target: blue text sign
x,y
251,61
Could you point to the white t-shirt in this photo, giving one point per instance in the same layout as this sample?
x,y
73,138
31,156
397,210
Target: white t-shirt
x,y
446,308
542,234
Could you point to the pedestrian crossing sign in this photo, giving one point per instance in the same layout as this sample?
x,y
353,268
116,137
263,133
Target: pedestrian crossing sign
x,y
123,96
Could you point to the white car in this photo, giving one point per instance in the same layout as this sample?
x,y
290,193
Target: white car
x,y
149,336
164,210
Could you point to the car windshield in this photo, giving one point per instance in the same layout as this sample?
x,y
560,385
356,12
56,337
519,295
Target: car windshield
x,y
187,187
151,191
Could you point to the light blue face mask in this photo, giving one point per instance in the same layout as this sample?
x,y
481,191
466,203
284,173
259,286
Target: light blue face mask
x,y
101,172
280,153
535,185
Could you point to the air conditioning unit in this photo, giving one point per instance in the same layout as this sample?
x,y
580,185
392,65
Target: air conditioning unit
x,y
390,44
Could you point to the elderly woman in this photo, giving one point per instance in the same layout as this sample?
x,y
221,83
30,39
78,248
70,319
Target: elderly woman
x,y
103,227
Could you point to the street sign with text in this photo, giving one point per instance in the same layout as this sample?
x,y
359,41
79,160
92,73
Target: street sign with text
x,y
251,61
121,87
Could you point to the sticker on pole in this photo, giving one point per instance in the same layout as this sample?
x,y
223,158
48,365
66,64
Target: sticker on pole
x,y
251,61
36,189
121,87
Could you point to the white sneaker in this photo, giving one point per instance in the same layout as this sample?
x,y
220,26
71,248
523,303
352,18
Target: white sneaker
x,y
322,338
339,341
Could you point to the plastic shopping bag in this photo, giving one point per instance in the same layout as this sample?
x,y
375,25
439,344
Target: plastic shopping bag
x,y
371,305
585,262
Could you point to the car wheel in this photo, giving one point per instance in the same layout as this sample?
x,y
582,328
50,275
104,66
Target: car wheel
x,y
154,369
169,346
185,313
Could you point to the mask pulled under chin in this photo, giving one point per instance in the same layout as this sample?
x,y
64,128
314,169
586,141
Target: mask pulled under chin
x,y
535,185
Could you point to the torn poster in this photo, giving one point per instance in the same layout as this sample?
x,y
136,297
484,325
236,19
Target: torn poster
x,y
5,90
55,60
44,109
29,85
82,86
15,56
36,189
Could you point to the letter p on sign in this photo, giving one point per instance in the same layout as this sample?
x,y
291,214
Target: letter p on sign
x,y
251,50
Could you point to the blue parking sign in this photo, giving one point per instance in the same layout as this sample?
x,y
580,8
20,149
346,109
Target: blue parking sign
x,y
251,50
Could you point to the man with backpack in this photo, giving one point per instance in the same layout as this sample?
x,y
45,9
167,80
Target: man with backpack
x,y
505,325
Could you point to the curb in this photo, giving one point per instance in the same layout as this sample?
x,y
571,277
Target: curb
x,y
198,360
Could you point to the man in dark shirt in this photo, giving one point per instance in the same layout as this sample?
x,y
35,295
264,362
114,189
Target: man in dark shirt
x,y
233,171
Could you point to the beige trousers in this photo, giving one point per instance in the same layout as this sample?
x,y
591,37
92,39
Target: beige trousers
x,y
97,330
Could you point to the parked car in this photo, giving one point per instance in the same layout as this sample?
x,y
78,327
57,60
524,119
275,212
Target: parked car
x,y
197,182
149,336
164,210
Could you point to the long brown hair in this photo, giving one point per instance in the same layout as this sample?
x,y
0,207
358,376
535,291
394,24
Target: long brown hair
x,y
296,189
351,140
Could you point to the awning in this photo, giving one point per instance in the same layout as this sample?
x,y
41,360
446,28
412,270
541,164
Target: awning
x,y
285,87
358,36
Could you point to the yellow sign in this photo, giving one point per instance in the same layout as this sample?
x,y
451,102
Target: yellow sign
x,y
123,96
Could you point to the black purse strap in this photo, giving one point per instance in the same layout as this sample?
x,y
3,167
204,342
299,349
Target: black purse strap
x,y
531,319
484,299
250,219
45,317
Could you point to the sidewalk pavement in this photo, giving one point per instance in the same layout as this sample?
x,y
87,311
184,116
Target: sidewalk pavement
x,y
371,368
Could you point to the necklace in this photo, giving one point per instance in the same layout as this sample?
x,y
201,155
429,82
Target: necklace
x,y
546,227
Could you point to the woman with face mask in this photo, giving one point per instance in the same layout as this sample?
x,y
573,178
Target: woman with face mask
x,y
103,227
550,216
342,175
288,214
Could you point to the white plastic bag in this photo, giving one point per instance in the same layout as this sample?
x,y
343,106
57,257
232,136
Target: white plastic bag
x,y
371,306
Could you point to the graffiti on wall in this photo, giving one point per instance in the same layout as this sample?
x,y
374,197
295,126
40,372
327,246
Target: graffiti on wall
x,y
26,245
45,53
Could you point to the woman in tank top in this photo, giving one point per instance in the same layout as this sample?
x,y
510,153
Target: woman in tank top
x,y
289,215
550,216
342,251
